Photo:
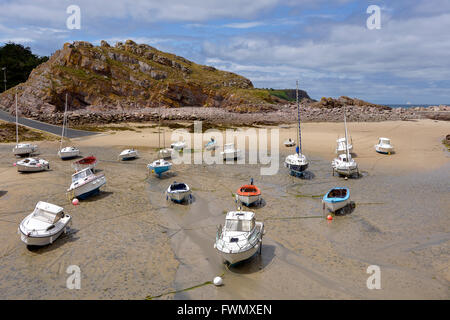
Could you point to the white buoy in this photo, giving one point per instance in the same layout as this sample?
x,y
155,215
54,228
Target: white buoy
x,y
217,281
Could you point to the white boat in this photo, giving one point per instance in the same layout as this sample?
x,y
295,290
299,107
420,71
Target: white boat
x,y
344,164
384,146
178,146
32,165
22,149
165,153
179,192
44,225
229,152
297,163
85,183
211,145
249,194
66,152
336,199
289,143
240,238
159,166
341,146
128,154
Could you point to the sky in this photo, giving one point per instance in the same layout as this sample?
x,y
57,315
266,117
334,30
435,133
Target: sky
x,y
325,44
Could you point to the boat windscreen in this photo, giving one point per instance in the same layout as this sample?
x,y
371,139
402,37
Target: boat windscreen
x,y
239,225
80,175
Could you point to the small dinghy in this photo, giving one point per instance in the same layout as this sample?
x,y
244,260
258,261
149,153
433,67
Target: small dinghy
x,y
85,163
128,154
179,192
336,199
229,152
68,153
345,165
211,145
178,146
342,145
24,149
44,225
159,166
289,143
249,194
166,153
85,183
240,238
32,165
384,146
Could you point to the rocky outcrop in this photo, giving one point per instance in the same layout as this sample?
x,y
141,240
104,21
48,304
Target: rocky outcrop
x,y
330,103
127,76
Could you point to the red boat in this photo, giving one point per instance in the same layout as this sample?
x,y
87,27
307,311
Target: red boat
x,y
87,162
249,194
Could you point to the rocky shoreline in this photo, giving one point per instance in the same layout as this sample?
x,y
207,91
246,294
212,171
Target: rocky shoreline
x,y
277,115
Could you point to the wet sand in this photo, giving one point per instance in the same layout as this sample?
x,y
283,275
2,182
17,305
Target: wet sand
x,y
131,243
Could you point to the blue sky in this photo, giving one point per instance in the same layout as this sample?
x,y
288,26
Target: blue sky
x,y
324,44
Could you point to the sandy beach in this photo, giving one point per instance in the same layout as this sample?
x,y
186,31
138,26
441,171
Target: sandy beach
x,y
130,243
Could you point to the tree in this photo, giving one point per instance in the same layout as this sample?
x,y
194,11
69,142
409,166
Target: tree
x,y
19,62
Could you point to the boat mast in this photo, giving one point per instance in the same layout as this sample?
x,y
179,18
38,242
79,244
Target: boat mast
x,y
346,135
63,126
299,151
17,124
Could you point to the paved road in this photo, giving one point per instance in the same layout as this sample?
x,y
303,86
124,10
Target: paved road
x,y
70,133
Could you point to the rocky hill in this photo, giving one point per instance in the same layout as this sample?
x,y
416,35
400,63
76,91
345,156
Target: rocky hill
x,y
128,76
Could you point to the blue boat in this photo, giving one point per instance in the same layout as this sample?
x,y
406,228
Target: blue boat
x,y
336,199
159,166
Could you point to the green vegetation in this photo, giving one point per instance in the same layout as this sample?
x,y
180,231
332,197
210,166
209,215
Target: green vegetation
x,y
100,128
8,134
19,62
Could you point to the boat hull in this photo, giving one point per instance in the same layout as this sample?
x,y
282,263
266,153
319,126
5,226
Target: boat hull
x,y
384,150
234,258
68,154
249,200
22,168
24,151
296,167
128,156
43,240
88,189
231,155
179,196
335,206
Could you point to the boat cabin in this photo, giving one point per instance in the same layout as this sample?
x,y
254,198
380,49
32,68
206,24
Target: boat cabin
x,y
228,147
81,174
384,141
47,212
240,221
343,157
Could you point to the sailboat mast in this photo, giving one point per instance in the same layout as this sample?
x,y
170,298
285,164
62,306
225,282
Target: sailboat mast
x,y
299,129
346,135
63,126
17,124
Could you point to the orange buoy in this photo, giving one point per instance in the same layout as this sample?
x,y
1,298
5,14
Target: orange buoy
x,y
330,217
75,201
